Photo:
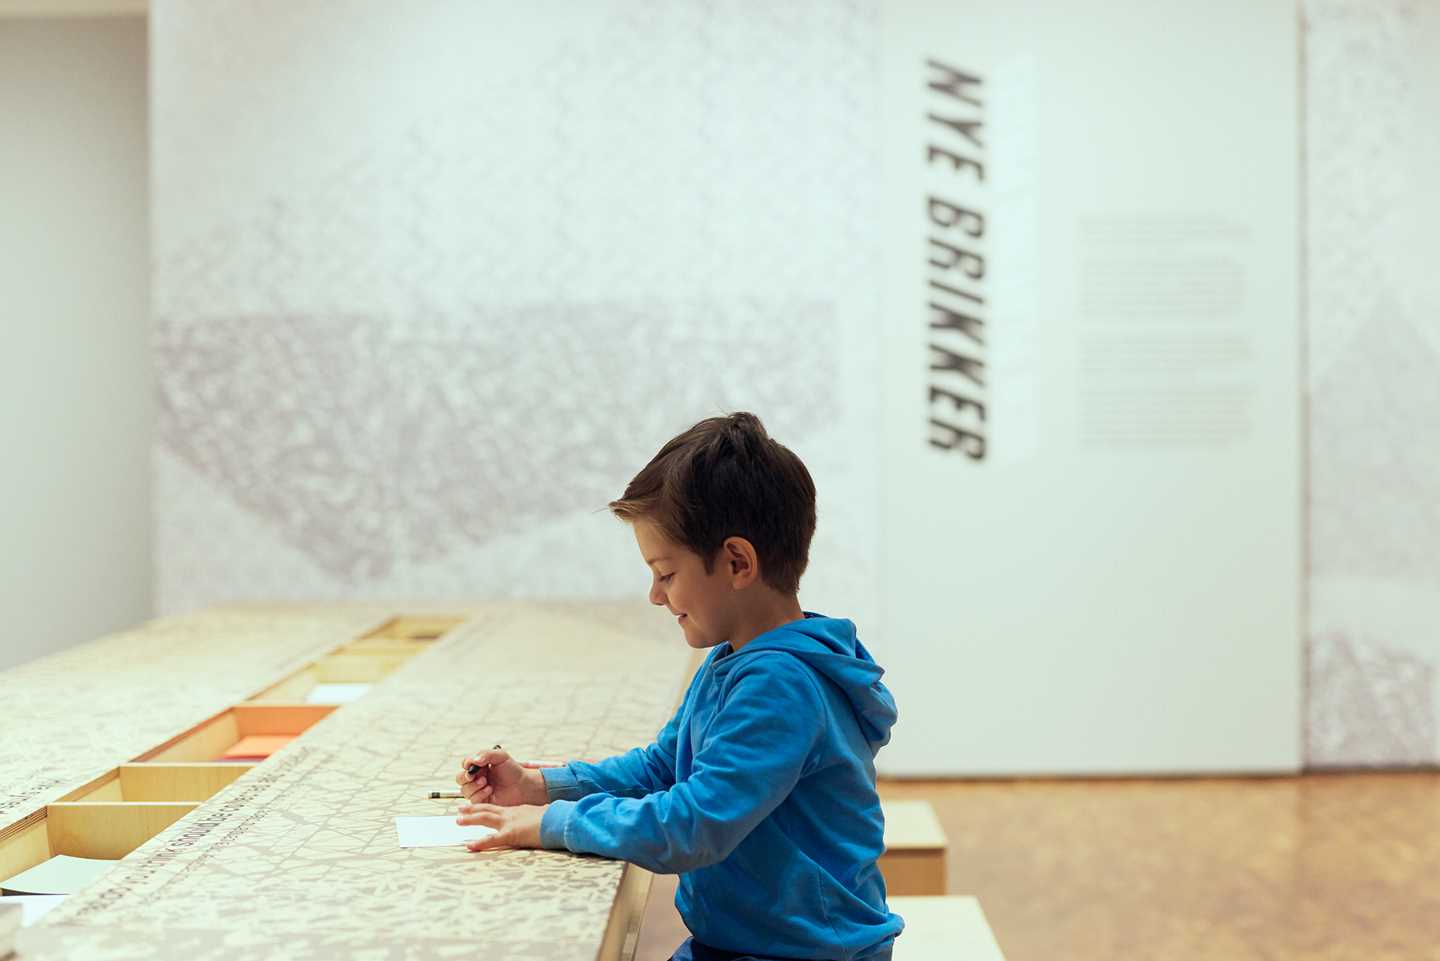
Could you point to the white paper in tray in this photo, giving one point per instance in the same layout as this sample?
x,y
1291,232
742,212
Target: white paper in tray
x,y
336,693
61,874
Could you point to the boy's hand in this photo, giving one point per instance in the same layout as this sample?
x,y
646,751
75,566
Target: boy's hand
x,y
501,780
516,827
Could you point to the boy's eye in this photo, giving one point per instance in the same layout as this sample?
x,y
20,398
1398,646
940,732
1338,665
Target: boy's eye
x,y
665,577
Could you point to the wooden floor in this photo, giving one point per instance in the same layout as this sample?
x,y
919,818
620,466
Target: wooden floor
x,y
1319,867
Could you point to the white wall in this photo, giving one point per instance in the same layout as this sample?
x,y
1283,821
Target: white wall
x,y
449,273
76,388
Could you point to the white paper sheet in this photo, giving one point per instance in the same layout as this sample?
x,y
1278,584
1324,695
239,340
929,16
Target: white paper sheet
x,y
62,874
33,907
435,832
336,693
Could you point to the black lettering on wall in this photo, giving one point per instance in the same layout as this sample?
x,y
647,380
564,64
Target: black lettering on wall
x,y
955,249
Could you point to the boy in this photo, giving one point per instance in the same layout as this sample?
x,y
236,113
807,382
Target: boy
x,y
760,791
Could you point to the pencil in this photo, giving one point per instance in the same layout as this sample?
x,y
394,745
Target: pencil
x,y
474,769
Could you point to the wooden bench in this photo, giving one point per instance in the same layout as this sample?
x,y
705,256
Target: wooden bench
x,y
914,860
944,929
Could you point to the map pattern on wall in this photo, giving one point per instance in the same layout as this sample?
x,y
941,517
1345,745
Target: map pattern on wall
x,y
1372,93
411,345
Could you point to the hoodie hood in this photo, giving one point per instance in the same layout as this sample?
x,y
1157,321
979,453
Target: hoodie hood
x,y
828,645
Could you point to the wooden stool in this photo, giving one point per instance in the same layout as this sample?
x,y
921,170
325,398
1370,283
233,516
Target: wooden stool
x,y
944,929
914,859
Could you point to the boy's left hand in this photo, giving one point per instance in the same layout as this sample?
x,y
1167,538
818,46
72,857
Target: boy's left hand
x,y
516,826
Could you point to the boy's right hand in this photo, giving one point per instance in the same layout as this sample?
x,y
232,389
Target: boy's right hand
x,y
501,780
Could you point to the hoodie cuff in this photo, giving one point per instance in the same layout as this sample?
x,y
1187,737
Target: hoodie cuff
x,y
553,824
561,784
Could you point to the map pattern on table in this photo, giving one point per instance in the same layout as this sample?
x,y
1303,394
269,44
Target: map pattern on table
x,y
73,716
299,859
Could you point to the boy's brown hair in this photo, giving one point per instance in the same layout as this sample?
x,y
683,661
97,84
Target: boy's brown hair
x,y
726,477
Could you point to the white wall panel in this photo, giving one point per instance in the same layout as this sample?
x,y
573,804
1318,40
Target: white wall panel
x,y
76,376
1102,573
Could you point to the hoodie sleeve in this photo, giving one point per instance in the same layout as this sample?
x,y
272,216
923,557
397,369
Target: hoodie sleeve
x,y
636,773
759,745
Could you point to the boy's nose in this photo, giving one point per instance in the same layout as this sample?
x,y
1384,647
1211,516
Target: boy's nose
x,y
657,596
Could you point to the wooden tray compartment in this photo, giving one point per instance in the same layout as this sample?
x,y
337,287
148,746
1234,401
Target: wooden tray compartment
x,y
164,781
416,627
207,741
341,668
384,645
105,830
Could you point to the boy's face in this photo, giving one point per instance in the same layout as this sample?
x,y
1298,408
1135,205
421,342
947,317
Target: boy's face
x,y
703,603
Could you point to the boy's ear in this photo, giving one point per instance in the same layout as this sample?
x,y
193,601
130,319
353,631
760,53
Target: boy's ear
x,y
742,565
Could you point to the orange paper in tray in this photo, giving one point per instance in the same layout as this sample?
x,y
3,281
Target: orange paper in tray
x,y
256,747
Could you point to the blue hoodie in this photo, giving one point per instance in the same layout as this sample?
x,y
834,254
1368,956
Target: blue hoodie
x,y
759,793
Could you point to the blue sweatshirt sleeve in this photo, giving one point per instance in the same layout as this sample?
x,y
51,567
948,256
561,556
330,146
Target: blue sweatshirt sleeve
x,y
636,773
759,745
